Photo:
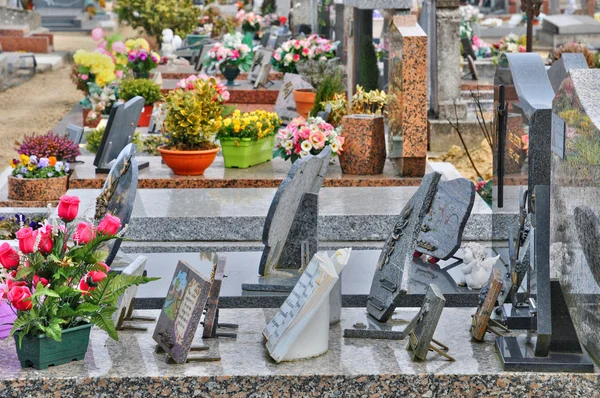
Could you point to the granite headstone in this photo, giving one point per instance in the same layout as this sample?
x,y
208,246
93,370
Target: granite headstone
x,y
285,106
74,133
560,69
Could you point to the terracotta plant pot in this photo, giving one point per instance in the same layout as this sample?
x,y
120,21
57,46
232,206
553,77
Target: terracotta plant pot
x,y
363,152
91,124
145,116
188,163
37,189
305,100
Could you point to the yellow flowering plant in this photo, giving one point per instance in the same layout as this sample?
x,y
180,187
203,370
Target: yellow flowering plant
x,y
193,117
254,125
93,67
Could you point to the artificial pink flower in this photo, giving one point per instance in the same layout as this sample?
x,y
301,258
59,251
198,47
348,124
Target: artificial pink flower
x,y
97,34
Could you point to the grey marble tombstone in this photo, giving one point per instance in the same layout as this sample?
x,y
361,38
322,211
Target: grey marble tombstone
x,y
74,133
390,281
119,131
262,56
285,106
118,194
560,69
443,225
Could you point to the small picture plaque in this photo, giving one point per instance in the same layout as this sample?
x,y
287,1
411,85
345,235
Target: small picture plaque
x,y
262,56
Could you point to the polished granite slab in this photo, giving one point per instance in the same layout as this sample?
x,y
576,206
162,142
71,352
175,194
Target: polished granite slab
x,y
182,72
351,367
243,93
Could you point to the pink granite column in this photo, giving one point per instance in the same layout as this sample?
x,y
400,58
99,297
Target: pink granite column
x,y
408,87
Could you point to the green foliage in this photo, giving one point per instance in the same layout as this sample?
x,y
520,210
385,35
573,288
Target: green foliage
x,y
332,84
155,15
268,6
369,70
151,143
145,88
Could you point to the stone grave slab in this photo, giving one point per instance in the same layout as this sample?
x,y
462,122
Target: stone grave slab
x,y
211,318
444,223
119,131
570,24
390,281
181,312
262,56
118,194
126,303
560,69
75,133
285,106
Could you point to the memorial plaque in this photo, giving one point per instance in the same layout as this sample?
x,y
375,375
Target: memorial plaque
x,y
442,229
211,318
126,303
264,40
74,133
390,281
423,325
290,232
310,293
481,318
263,76
118,194
285,106
181,312
262,56
119,131
559,129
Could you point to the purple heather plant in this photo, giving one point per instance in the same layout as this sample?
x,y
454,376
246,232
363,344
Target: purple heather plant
x,y
49,144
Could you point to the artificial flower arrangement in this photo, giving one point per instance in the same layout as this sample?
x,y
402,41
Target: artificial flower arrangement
x,y
286,57
303,137
481,48
57,279
189,83
114,47
139,57
250,21
253,126
92,67
511,43
99,101
231,51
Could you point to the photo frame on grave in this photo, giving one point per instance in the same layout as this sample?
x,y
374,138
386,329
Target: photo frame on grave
x,y
118,194
263,76
180,315
74,133
211,324
300,328
126,303
119,132
422,327
262,56
290,230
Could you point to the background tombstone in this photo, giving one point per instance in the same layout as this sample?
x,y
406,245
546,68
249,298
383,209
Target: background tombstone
x,y
181,312
119,131
290,231
74,133
575,203
262,56
285,106
560,69
126,303
118,194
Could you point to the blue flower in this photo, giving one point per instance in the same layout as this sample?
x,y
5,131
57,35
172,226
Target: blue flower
x,y
24,170
59,166
33,159
67,167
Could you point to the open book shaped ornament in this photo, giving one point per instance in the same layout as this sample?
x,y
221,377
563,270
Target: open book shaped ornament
x,y
301,327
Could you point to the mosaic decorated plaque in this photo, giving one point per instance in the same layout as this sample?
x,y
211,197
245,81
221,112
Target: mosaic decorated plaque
x,y
181,312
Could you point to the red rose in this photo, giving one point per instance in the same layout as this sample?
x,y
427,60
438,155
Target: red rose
x,y
9,258
68,207
46,243
109,225
26,240
91,280
84,233
10,283
37,279
18,297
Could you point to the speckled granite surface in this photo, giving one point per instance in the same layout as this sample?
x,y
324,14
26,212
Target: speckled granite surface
x,y
351,367
245,93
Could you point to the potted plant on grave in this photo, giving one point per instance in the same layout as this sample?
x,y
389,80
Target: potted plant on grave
x,y
230,56
193,117
303,137
40,173
314,72
140,59
146,89
247,138
290,53
60,287
331,85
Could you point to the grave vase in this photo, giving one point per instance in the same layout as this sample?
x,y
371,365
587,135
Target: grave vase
x,y
91,123
188,163
7,317
37,189
305,101
363,151
40,351
143,74
230,72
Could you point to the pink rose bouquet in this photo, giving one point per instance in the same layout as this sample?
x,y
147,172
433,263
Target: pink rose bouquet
x,y
286,57
303,137
56,278
250,21
230,52
189,84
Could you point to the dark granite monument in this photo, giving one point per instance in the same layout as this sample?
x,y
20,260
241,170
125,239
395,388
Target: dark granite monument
x,y
560,69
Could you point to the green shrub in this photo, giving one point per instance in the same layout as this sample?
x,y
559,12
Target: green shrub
x,y
369,69
332,84
145,88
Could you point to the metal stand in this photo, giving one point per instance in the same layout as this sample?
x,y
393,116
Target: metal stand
x,y
158,349
129,317
214,332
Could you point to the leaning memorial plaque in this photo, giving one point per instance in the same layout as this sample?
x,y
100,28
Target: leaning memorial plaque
x,y
74,133
119,132
488,296
285,106
211,318
181,313
126,303
262,56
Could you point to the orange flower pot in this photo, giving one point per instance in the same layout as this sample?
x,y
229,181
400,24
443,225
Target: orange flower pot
x,y
146,115
305,100
188,163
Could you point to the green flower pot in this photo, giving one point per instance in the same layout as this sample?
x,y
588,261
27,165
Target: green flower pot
x,y
40,351
243,153
193,39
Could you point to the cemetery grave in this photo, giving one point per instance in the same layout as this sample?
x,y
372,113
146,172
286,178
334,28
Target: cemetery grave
x,y
298,271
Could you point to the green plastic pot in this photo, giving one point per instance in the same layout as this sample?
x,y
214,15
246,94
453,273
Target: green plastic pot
x,y
193,39
40,351
244,152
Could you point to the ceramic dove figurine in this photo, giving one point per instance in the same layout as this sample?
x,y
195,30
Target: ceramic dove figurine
x,y
477,267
